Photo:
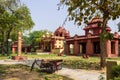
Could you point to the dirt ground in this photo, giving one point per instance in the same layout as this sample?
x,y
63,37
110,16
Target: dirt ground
x,y
21,72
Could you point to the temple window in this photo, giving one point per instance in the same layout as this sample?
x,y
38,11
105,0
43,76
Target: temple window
x,y
60,34
113,47
83,48
99,24
71,48
91,31
56,34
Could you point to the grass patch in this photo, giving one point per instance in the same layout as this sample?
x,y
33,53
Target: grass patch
x,y
22,72
82,64
76,62
117,58
3,57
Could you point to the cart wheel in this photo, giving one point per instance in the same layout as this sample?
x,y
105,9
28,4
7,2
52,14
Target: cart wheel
x,y
59,67
52,68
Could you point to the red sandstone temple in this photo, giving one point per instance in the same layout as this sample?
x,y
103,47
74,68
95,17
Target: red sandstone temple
x,y
25,48
90,42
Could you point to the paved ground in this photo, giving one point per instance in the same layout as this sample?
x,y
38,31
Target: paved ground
x,y
76,74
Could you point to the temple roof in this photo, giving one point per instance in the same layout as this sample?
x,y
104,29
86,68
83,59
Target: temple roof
x,y
62,30
94,23
96,19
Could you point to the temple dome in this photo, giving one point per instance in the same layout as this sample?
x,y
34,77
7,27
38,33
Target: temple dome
x,y
62,32
96,23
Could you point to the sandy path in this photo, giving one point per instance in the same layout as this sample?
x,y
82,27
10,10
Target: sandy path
x,y
79,74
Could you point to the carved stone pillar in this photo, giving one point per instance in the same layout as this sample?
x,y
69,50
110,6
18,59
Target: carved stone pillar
x,y
108,48
89,47
67,48
76,48
116,47
19,43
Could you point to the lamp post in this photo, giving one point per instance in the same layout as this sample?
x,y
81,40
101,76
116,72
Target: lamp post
x,y
9,46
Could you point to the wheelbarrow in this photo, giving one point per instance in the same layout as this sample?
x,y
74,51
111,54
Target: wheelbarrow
x,y
47,64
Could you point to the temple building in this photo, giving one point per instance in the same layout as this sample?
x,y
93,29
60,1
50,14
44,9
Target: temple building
x,y
25,47
54,43
90,42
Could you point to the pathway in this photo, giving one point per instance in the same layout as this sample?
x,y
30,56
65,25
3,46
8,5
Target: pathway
x,y
78,74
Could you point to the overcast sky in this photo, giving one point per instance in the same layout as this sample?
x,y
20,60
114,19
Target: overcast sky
x,y
46,16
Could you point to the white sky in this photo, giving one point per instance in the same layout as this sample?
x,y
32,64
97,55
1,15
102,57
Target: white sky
x,y
46,16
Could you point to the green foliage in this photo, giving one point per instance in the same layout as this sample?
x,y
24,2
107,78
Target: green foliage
x,y
115,78
116,71
84,10
14,17
26,40
23,18
46,78
106,36
34,38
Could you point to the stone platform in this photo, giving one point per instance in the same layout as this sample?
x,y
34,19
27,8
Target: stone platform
x,y
19,57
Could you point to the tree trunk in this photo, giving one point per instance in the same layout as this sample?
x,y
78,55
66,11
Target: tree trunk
x,y
103,43
4,49
4,41
103,53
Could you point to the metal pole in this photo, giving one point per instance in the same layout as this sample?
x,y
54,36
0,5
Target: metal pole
x,y
9,48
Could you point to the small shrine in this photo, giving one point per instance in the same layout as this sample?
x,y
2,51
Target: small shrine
x,y
55,42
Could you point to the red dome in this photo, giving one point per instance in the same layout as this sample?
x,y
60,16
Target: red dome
x,y
61,31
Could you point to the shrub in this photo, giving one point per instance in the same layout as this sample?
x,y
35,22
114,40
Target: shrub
x,y
116,71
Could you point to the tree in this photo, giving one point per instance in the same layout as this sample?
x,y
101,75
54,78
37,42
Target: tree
x,y
34,38
84,10
14,17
